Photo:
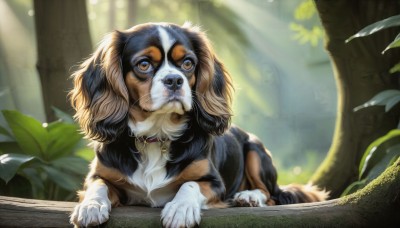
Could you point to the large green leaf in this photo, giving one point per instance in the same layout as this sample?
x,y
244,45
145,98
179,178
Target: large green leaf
x,y
62,179
395,43
377,26
381,98
84,151
63,139
10,147
72,164
29,133
10,163
4,131
377,150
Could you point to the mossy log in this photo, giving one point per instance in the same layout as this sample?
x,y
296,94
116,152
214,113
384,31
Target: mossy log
x,y
377,205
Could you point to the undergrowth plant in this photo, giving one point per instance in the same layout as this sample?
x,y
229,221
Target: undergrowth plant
x,y
384,151
40,160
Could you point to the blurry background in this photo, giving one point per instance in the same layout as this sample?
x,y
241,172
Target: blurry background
x,y
285,90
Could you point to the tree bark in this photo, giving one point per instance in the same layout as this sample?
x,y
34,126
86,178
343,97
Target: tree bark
x,y
377,205
361,71
63,39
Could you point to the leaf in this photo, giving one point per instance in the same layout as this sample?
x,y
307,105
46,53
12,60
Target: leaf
x,y
377,26
85,153
72,164
63,138
10,163
395,68
383,163
10,147
395,43
28,132
355,186
4,131
380,99
62,179
377,150
305,10
33,176
63,116
391,103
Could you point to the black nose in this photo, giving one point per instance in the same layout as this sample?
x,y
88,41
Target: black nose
x,y
173,82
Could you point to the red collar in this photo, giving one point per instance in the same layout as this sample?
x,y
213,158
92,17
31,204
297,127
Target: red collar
x,y
144,139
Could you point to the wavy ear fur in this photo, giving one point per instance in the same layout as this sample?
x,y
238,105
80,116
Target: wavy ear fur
x,y
213,89
100,96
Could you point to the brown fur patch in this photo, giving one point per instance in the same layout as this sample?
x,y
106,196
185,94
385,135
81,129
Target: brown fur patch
x,y
253,170
178,52
112,105
139,91
195,170
152,52
100,174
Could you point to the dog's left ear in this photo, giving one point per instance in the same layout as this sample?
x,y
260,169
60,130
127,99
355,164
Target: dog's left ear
x,y
213,88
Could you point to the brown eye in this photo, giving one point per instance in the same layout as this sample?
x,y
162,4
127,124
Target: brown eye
x,y
144,66
187,64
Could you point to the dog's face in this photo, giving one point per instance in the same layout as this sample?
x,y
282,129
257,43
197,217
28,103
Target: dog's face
x,y
159,69
151,68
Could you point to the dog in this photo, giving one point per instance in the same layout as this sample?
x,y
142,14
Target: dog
x,y
155,100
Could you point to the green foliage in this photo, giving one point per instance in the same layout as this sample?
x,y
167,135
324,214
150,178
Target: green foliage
x,y
306,29
305,35
384,150
378,26
379,155
387,98
44,161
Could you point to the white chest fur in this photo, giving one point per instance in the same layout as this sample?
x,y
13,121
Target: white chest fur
x,y
151,177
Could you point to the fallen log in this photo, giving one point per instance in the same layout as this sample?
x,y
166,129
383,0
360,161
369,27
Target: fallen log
x,y
377,205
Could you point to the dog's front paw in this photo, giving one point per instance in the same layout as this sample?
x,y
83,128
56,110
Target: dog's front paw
x,y
181,214
91,212
250,198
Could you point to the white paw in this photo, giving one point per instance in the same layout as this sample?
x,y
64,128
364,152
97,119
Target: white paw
x,y
180,214
91,212
185,209
250,198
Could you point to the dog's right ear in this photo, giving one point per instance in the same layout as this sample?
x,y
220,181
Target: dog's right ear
x,y
100,96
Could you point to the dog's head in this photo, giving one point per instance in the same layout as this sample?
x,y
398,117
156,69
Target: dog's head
x,y
151,68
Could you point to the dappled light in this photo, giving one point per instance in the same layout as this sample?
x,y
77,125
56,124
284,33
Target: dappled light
x,y
282,89
161,113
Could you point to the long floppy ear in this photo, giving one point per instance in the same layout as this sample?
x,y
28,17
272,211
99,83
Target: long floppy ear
x,y
213,89
100,96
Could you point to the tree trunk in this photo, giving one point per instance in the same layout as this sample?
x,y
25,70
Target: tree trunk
x,y
361,71
63,39
377,205
131,18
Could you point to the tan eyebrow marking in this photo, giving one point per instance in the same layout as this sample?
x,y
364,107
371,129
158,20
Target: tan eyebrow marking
x,y
153,52
178,52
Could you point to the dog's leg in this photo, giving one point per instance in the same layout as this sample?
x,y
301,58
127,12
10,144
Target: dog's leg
x,y
94,206
185,209
257,194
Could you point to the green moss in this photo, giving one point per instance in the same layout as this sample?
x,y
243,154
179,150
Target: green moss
x,y
383,185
